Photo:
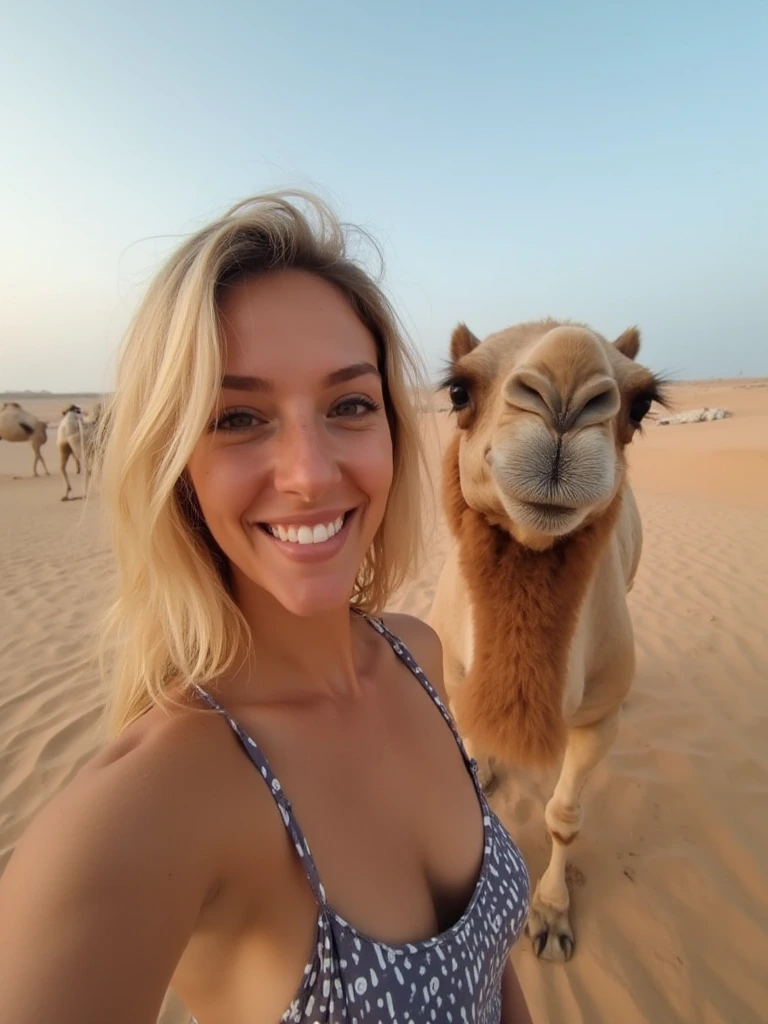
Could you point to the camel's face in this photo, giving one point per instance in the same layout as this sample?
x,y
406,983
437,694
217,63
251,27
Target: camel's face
x,y
545,411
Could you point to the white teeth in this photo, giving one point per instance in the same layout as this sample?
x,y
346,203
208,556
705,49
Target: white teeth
x,y
306,534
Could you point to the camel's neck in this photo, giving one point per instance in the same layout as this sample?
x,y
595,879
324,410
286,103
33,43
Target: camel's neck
x,y
525,606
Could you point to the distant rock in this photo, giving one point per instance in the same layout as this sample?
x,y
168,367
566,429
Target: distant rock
x,y
695,416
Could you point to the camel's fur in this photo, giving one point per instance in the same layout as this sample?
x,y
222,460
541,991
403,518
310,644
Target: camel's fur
x,y
16,424
531,605
76,437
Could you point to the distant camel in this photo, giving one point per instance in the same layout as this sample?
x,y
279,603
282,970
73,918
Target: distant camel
x,y
16,424
531,605
76,437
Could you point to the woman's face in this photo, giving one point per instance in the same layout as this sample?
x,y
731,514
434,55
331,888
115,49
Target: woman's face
x,y
294,471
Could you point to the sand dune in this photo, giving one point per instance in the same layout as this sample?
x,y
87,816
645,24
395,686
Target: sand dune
x,y
669,876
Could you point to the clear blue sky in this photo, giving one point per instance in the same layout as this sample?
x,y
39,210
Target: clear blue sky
x,y
601,161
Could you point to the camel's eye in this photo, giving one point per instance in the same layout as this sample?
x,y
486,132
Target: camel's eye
x,y
639,408
459,396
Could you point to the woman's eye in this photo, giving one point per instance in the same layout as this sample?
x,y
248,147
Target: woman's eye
x,y
354,408
238,419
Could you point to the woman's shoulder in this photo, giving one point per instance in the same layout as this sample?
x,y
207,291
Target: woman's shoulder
x,y
423,643
412,630
167,745
113,874
135,804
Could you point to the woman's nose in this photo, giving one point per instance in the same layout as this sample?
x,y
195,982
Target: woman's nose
x,y
305,463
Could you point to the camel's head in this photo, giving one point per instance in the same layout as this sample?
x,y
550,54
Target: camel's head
x,y
72,408
544,411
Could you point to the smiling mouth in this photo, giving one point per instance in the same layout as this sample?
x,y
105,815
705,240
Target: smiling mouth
x,y
305,534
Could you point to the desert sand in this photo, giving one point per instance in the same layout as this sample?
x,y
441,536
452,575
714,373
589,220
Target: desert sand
x,y
670,874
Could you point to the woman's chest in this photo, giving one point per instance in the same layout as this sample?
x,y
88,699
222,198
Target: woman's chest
x,y
390,813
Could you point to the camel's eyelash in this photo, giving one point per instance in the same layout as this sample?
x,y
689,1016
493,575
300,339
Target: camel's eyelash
x,y
656,393
460,380
659,393
449,378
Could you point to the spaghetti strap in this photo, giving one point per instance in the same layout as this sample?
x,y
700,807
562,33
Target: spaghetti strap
x,y
402,652
259,760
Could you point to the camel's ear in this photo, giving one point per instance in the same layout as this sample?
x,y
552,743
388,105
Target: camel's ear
x,y
462,342
628,343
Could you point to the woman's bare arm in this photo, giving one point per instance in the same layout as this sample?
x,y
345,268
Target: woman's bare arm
x,y
99,900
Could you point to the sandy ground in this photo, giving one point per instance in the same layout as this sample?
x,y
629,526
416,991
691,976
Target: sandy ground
x,y
669,876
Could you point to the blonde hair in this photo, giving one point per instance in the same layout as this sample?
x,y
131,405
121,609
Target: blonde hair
x,y
173,622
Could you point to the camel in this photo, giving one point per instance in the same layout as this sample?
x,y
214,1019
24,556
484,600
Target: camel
x,y
531,604
76,437
16,424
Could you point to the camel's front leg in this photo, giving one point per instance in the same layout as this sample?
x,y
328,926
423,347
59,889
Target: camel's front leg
x,y
63,459
548,923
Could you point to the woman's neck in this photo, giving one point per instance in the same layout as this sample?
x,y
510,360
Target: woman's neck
x,y
298,658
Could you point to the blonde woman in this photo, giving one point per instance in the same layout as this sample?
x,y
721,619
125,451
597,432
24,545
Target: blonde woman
x,y
285,825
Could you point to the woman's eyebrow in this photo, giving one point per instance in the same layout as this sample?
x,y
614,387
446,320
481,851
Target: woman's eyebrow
x,y
350,373
236,382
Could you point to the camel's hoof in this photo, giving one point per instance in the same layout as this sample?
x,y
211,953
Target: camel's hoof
x,y
550,932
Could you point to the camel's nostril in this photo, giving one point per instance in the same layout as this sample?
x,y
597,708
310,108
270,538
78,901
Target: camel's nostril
x,y
531,391
596,402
